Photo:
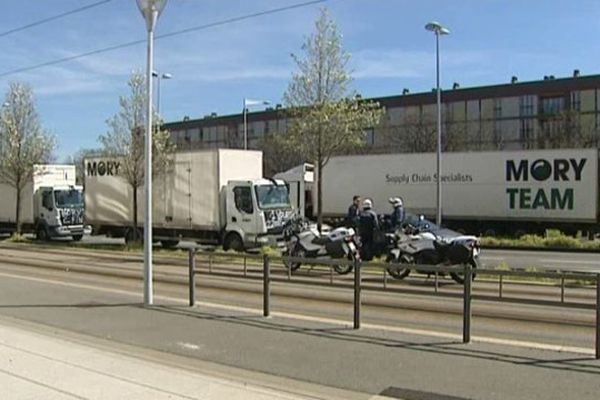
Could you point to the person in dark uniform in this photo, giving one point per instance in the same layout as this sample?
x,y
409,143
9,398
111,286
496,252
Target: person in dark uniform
x,y
368,225
397,216
353,212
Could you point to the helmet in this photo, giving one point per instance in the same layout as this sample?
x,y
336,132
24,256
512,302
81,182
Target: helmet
x,y
396,201
367,203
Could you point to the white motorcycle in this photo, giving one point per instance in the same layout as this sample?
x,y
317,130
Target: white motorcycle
x,y
303,240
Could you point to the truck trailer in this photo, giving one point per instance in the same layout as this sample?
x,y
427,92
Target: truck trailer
x,y
213,196
51,204
492,193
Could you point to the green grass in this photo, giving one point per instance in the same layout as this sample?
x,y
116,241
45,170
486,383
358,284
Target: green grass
x,y
17,238
552,240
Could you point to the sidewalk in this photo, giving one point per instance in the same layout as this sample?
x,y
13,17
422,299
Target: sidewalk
x,y
42,366
279,352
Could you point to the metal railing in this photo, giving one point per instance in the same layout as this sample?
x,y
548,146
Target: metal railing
x,y
266,262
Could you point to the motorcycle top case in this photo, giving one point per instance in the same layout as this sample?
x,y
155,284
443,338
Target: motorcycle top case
x,y
459,253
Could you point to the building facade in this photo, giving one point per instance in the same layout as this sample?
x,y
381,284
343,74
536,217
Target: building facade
x,y
549,113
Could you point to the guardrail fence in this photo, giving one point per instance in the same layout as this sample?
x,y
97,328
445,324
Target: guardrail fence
x,y
265,263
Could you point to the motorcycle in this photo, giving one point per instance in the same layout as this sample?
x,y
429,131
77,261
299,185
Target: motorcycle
x,y
419,245
303,240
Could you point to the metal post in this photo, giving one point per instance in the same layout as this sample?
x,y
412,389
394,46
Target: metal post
x,y
245,266
148,289
562,289
500,286
331,274
210,264
266,286
357,289
436,282
289,273
438,218
597,316
192,275
384,279
467,305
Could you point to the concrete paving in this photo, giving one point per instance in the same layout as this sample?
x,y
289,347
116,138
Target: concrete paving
x,y
36,365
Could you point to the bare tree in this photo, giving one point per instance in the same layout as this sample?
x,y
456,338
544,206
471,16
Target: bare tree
x,y
78,159
23,142
278,153
125,140
567,130
325,115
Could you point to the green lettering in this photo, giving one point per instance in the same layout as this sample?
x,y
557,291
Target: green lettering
x,y
562,202
512,192
540,201
525,199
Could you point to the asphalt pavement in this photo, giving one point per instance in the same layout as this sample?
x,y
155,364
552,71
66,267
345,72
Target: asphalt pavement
x,y
297,353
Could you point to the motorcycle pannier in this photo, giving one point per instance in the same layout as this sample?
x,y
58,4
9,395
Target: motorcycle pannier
x,y
335,249
459,253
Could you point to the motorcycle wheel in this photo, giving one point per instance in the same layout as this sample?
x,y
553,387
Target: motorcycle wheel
x,y
459,277
342,269
296,252
396,272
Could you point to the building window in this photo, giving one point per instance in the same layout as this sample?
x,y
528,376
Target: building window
x,y
526,133
553,105
526,105
369,136
497,108
576,101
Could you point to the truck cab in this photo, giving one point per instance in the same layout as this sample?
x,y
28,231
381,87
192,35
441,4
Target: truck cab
x,y
256,213
58,212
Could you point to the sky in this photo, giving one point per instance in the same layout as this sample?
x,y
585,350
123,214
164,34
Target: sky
x,y
215,68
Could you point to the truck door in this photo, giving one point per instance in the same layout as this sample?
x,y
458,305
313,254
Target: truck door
x,y
242,211
47,211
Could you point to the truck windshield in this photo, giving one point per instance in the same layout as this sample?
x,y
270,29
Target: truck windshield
x,y
68,198
272,196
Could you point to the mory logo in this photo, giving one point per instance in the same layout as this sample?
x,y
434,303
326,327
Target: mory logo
x,y
543,171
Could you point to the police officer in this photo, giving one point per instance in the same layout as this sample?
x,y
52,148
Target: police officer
x,y
353,212
367,227
397,216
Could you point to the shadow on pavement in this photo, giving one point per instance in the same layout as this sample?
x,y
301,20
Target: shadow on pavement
x,y
581,364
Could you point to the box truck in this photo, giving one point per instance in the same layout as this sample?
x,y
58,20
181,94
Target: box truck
x,y
51,204
504,192
300,184
215,196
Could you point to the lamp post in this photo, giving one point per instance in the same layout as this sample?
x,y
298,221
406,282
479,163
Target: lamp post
x,y
158,78
248,103
438,30
150,10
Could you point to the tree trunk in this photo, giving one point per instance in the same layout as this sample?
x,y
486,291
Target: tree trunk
x,y
135,215
319,195
18,210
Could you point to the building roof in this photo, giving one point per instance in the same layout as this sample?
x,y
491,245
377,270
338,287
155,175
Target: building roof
x,y
547,87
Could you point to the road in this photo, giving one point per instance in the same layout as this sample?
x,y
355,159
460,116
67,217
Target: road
x,y
413,303
403,351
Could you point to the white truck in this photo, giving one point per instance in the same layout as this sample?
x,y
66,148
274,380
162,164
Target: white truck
x,y
215,196
51,204
300,184
503,192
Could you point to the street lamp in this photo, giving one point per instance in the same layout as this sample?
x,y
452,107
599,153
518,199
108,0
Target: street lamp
x,y
439,30
150,10
248,103
158,78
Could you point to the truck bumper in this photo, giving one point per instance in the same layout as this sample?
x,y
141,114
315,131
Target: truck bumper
x,y
275,241
65,231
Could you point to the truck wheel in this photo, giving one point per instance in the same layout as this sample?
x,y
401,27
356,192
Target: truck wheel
x,y
234,242
77,238
41,234
129,236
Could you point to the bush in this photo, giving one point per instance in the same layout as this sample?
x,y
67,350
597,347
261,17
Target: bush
x,y
554,240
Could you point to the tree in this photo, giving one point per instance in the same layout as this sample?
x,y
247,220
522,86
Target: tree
x,y
23,142
278,153
125,140
78,159
326,117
